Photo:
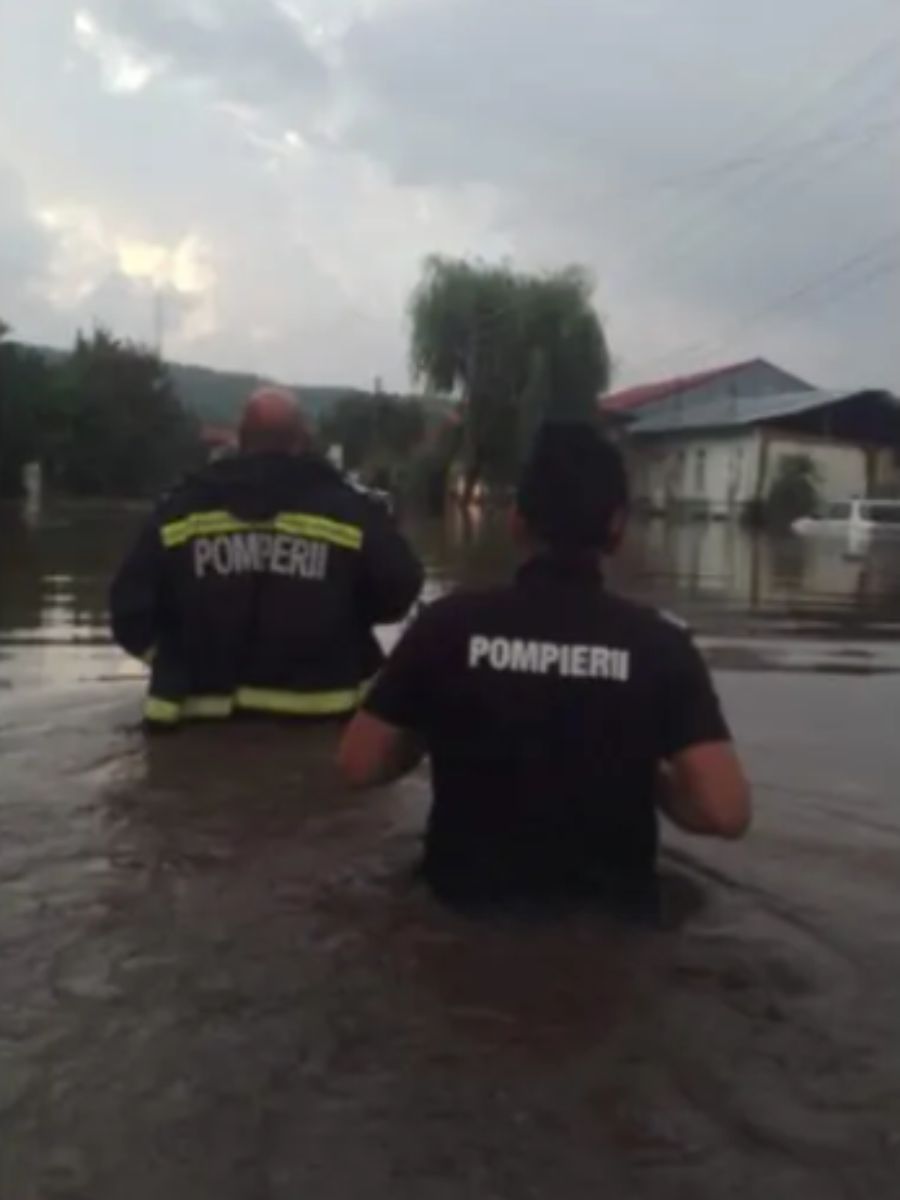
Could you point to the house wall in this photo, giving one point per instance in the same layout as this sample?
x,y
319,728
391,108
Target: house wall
x,y
842,468
886,469
722,474
711,473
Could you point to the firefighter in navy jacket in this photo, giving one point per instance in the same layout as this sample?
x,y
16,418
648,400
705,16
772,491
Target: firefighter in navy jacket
x,y
256,584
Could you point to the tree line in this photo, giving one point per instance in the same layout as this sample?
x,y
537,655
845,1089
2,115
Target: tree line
x,y
103,420
505,351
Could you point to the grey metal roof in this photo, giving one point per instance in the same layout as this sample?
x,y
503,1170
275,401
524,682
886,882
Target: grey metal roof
x,y
728,412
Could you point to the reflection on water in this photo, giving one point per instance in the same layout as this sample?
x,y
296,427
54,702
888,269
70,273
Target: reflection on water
x,y
55,569
54,576
726,577
722,576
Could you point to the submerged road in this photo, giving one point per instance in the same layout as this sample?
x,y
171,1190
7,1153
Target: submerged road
x,y
220,980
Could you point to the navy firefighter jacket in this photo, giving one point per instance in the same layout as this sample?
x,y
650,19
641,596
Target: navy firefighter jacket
x,y
255,586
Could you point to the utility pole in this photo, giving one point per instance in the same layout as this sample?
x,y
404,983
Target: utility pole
x,y
158,322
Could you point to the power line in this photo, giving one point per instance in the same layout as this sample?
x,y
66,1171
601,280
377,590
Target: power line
x,y
833,137
883,270
733,165
159,318
753,319
677,230
770,183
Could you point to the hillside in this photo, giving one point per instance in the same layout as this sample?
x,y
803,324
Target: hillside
x,y
216,397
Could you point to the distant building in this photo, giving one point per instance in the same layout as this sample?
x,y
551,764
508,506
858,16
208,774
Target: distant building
x,y
755,377
719,456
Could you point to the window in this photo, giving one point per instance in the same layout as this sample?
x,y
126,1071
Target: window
x,y
881,514
837,512
700,472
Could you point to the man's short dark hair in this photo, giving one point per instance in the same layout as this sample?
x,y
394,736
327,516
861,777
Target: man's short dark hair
x,y
572,487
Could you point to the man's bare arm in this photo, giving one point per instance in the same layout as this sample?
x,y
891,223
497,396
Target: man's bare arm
x,y
703,790
374,753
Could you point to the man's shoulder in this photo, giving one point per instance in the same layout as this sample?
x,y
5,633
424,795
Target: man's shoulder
x,y
178,499
470,605
339,495
462,607
295,483
660,624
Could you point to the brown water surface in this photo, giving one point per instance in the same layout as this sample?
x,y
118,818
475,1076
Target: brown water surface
x,y
219,977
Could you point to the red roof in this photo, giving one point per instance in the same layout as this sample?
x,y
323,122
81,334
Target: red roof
x,y
637,397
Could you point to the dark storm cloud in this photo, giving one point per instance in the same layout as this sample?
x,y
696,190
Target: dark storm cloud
x,y
248,49
706,160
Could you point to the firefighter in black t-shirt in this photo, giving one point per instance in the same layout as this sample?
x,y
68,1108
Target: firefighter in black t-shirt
x,y
559,717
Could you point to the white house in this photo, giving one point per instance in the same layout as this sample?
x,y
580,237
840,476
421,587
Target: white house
x,y
721,455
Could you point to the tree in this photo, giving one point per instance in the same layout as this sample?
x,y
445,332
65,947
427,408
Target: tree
x,y
429,469
113,425
24,381
378,434
517,349
794,492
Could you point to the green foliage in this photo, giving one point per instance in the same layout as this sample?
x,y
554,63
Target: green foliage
x,y
24,384
429,471
378,434
535,403
217,397
104,421
519,350
123,430
794,492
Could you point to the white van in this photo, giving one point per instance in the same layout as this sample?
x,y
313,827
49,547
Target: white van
x,y
857,516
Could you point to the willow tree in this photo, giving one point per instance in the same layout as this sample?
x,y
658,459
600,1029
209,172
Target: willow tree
x,y
516,349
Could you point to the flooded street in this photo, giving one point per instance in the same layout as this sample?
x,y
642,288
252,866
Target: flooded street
x,y
221,980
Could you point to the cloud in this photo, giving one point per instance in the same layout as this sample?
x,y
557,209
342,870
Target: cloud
x,y
278,168
250,51
122,71
308,250
704,169
61,270
25,248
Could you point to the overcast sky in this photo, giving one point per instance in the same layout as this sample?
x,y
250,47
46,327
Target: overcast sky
x,y
276,170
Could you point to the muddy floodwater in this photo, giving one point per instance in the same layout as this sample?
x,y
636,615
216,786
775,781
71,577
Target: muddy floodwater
x,y
220,979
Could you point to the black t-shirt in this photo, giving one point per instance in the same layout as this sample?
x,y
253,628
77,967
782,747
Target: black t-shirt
x,y
546,707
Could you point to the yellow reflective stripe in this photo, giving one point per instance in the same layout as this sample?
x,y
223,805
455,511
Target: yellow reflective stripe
x,y
299,704
320,529
169,712
213,524
205,524
162,712
207,706
270,700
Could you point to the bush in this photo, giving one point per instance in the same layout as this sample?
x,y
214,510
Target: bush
x,y
794,492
